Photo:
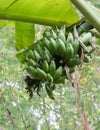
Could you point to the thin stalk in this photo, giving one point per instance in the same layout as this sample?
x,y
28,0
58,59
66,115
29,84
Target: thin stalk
x,y
88,12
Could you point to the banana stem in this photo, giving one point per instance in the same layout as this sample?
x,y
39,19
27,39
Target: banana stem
x,y
86,26
88,12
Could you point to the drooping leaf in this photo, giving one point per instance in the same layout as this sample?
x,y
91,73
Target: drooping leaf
x,y
25,34
48,12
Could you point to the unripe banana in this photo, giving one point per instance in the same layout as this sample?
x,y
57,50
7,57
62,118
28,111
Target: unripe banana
x,y
47,55
49,92
56,29
48,52
39,49
41,74
47,34
70,38
85,38
47,43
73,61
59,80
53,45
32,71
52,67
37,56
75,45
58,73
30,54
34,46
63,29
61,36
45,66
69,51
61,47
50,78
31,62
53,34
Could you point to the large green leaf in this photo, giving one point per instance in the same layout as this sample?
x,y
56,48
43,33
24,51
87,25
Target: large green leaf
x,y
48,12
24,35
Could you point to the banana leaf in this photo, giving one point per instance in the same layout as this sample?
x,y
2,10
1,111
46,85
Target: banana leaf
x,y
47,12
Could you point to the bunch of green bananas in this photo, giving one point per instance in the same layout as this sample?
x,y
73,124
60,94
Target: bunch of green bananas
x,y
46,60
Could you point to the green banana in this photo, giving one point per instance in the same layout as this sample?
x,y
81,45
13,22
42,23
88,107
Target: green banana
x,y
50,78
47,43
52,67
56,29
61,36
49,92
59,80
69,51
34,46
41,74
45,66
32,71
39,49
53,34
75,45
70,38
61,47
63,29
37,55
47,34
53,45
48,52
58,73
47,55
31,62
30,54
73,61
85,38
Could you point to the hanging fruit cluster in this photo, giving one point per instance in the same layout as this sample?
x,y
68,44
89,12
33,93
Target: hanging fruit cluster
x,y
53,58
